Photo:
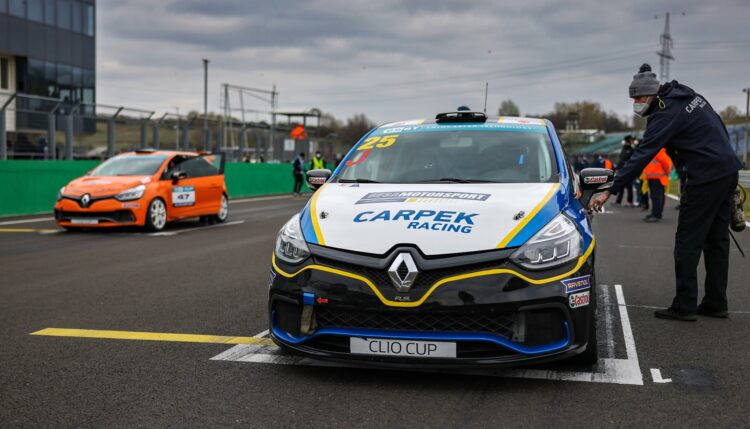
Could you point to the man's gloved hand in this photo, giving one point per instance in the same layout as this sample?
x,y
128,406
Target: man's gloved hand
x,y
598,201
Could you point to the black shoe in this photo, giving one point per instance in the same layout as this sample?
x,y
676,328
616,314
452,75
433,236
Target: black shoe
x,y
651,219
668,313
718,314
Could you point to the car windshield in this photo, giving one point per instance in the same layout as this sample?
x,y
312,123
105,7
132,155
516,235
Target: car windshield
x,y
461,156
135,165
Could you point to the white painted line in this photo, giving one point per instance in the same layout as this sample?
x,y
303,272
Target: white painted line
x,y
197,228
261,334
37,219
627,332
656,376
615,371
246,200
673,196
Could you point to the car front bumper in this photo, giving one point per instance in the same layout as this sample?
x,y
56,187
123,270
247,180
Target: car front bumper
x,y
107,212
496,313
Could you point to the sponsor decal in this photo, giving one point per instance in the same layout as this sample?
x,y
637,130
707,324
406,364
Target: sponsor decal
x,y
594,179
580,299
316,180
99,182
419,196
131,205
183,196
431,220
697,103
272,278
576,284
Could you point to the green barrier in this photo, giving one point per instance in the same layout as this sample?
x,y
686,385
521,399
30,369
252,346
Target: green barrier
x,y
250,180
30,187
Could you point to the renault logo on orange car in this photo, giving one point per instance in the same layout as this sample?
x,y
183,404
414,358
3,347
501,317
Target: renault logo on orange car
x,y
85,200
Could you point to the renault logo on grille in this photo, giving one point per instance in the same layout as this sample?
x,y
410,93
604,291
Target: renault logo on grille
x,y
403,272
85,200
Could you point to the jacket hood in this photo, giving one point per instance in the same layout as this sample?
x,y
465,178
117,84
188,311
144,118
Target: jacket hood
x,y
103,185
675,89
438,219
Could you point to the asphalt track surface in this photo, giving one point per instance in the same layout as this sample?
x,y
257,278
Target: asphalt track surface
x,y
213,281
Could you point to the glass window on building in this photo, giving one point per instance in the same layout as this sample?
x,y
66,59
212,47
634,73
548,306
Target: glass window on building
x,y
89,85
49,12
64,8
35,10
4,73
17,8
88,19
77,16
77,84
35,70
65,82
3,6
50,79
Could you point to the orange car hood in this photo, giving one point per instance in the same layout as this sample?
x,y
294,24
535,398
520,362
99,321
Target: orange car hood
x,y
103,185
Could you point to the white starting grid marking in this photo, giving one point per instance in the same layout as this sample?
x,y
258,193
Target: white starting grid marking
x,y
656,376
608,370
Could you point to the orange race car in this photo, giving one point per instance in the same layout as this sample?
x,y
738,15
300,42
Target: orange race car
x,y
147,188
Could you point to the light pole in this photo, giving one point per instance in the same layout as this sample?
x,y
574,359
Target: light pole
x,y
747,124
205,105
177,129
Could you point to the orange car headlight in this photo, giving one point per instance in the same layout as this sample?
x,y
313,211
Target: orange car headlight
x,y
131,194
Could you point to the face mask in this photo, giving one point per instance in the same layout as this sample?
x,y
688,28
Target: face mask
x,y
640,108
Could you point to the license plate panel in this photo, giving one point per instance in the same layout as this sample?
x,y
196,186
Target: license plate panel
x,y
79,221
405,348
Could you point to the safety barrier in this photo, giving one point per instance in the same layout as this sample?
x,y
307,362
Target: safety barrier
x,y
28,187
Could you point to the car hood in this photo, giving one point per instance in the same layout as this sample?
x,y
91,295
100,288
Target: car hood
x,y
439,219
98,186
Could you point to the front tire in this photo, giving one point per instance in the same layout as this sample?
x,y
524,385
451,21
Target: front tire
x,y
223,214
156,216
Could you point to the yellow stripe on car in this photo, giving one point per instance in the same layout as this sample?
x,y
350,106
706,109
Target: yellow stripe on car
x,y
314,215
529,217
439,283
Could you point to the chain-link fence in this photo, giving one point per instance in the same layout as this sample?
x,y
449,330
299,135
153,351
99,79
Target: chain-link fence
x,y
34,127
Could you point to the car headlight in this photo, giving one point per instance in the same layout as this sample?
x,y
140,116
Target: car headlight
x,y
290,244
60,193
131,194
555,244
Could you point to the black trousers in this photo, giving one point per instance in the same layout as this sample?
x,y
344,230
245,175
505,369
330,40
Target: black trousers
x,y
629,189
656,190
703,227
297,182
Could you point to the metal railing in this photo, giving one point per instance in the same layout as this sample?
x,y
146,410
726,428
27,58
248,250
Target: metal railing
x,y
745,178
36,127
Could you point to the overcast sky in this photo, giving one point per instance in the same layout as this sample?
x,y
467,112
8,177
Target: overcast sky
x,y
396,60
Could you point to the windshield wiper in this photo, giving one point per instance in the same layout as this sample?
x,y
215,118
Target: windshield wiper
x,y
357,181
454,180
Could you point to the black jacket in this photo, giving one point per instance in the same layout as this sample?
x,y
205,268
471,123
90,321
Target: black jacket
x,y
625,153
695,137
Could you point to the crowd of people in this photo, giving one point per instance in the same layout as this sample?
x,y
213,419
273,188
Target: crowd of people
x,y
648,190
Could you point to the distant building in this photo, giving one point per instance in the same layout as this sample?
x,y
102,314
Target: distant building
x,y
47,48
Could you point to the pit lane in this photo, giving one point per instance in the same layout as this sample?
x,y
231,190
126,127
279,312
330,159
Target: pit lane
x,y
204,286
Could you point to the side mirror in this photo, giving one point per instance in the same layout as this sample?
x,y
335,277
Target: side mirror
x,y
594,180
178,175
316,178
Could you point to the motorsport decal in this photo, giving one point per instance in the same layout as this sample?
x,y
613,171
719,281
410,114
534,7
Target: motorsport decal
x,y
419,196
443,220
576,284
579,299
504,126
272,278
183,196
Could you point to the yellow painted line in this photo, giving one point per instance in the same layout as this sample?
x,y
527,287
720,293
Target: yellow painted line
x,y
27,230
314,215
530,216
151,336
441,282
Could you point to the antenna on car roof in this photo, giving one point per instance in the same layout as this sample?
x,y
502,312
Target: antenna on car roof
x,y
486,87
